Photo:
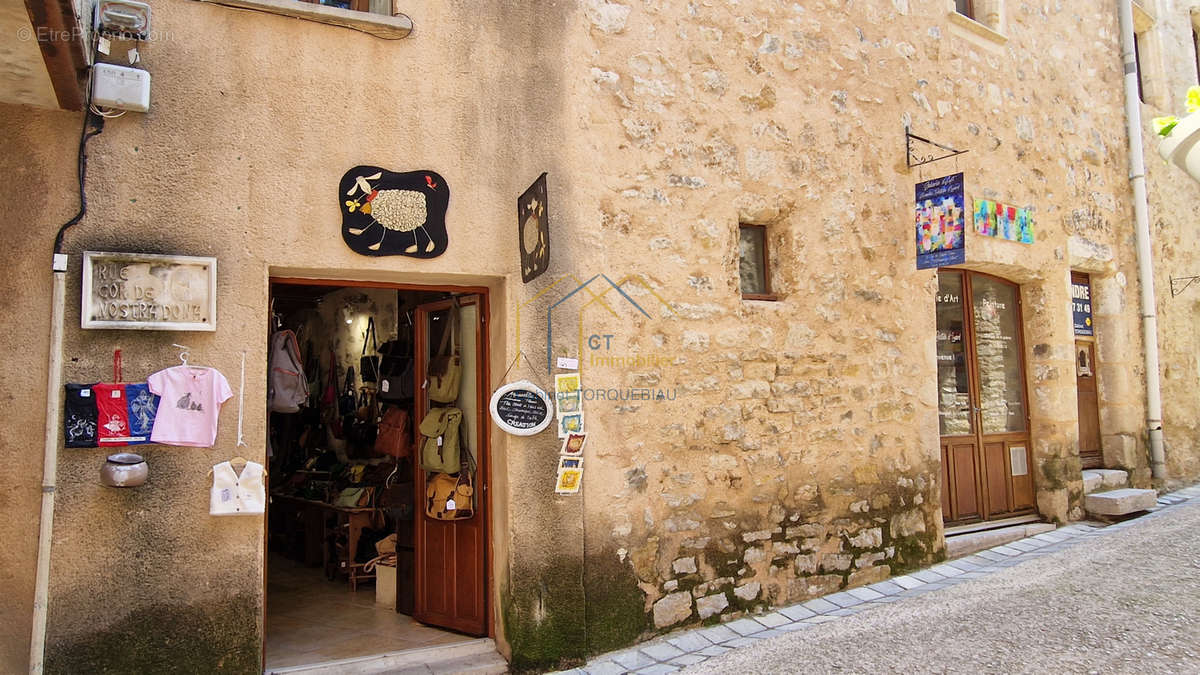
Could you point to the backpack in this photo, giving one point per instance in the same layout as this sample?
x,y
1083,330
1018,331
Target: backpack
x,y
287,387
440,440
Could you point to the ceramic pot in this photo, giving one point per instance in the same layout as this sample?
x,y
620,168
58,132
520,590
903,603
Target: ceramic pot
x,y
1182,146
124,469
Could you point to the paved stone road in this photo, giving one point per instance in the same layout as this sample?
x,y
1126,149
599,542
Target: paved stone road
x,y
1083,598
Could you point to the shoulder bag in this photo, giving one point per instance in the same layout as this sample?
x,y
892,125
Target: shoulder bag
x,y
445,368
368,364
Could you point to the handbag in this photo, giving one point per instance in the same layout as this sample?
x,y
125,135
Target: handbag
x,y
395,372
445,368
392,437
439,440
449,497
452,497
368,364
346,404
329,397
355,497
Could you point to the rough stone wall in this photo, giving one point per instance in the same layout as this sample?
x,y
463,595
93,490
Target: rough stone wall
x,y
799,453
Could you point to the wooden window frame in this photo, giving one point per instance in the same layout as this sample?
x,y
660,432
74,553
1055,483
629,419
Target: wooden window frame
x,y
768,294
967,8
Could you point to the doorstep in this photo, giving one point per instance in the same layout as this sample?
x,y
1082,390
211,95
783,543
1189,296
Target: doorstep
x,y
469,657
967,539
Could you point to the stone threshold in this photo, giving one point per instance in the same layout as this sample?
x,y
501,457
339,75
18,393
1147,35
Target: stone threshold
x,y
686,648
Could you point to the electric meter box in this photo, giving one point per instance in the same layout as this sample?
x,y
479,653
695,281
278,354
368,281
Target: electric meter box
x,y
120,87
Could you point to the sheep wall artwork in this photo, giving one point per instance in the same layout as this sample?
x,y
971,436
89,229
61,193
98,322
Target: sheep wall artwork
x,y
390,213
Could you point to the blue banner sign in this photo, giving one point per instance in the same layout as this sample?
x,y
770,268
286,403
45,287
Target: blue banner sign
x,y
941,222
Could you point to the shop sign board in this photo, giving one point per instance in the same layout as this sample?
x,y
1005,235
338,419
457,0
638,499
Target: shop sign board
x,y
533,230
521,408
1081,306
1001,221
941,222
141,291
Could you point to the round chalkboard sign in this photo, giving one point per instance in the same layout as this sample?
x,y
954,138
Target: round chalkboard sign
x,y
521,408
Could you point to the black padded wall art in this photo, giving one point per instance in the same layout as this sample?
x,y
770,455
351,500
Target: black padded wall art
x,y
390,213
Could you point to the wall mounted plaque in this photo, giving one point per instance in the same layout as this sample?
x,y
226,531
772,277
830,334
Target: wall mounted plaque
x,y
141,291
389,213
533,230
521,408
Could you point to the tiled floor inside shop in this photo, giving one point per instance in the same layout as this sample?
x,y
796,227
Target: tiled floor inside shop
x,y
312,620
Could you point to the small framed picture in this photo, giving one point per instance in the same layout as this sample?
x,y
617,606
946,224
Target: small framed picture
x,y
569,481
570,475
571,423
568,401
566,382
573,445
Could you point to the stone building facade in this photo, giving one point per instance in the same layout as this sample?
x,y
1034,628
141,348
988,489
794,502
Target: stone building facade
x,y
741,453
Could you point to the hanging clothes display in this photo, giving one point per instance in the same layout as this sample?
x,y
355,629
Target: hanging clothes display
x,y
191,398
79,422
238,495
143,407
113,412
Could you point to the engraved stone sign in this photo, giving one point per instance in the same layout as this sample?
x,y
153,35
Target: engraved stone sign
x,y
140,291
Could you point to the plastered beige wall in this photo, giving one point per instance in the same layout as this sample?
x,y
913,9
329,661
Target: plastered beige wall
x,y
254,119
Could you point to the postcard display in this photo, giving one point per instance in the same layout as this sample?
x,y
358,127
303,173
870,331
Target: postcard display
x,y
568,406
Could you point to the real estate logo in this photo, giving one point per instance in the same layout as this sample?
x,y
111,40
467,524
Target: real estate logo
x,y
597,349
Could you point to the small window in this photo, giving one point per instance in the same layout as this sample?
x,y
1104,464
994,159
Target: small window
x,y
372,6
754,269
964,7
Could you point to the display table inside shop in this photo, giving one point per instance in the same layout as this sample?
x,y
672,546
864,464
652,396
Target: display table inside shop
x,y
316,523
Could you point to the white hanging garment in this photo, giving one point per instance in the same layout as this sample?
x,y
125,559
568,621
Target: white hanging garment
x,y
234,495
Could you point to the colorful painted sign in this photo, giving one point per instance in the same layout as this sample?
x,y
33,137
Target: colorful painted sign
x,y
941,223
993,219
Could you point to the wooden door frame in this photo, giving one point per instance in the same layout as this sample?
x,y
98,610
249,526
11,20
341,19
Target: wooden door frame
x,y
484,343
483,469
975,396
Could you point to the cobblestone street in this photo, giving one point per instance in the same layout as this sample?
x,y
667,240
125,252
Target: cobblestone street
x,y
1083,598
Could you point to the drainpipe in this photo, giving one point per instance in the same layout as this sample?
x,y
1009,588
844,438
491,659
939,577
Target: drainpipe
x,y
1137,180
41,594
54,386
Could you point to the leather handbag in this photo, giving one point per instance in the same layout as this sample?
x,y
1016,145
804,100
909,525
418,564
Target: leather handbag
x,y
329,397
395,372
346,403
368,364
450,497
445,368
393,436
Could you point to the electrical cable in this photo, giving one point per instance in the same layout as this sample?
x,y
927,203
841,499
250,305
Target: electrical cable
x,y
84,136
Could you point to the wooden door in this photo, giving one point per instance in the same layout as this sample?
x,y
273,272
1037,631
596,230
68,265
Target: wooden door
x,y
451,556
981,398
1089,407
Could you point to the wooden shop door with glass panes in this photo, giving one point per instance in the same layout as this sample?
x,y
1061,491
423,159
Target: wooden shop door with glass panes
x,y
981,398
451,555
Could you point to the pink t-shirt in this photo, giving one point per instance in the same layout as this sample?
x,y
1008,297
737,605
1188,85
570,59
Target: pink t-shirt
x,y
191,402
